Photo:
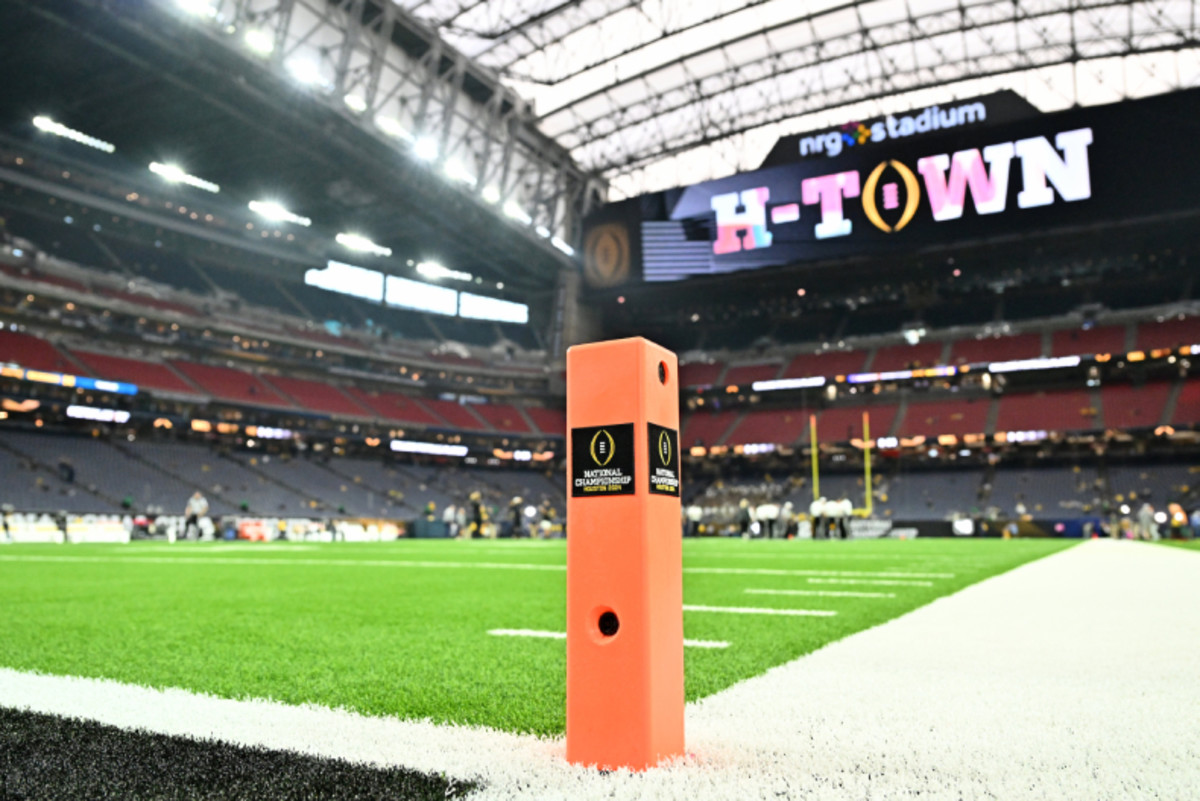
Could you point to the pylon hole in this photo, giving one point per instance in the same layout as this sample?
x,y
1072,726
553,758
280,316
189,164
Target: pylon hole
x,y
609,624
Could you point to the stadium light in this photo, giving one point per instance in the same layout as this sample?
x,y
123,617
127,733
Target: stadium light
x,y
98,415
515,212
431,269
259,41
1034,364
304,71
355,103
392,127
43,123
457,170
176,175
491,194
543,232
404,446
362,244
273,211
426,148
563,246
788,383
201,8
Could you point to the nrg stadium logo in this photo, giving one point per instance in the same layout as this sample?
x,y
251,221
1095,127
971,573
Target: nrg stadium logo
x,y
742,216
927,120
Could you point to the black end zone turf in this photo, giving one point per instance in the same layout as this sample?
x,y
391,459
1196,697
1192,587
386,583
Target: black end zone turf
x,y
47,757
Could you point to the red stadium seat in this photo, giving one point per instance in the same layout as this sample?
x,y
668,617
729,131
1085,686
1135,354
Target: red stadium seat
x,y
458,415
317,396
706,428
931,418
1169,333
230,384
744,375
697,374
1073,341
997,349
1047,411
151,375
1187,407
35,353
502,417
548,421
395,406
829,363
1128,406
907,357
779,427
846,423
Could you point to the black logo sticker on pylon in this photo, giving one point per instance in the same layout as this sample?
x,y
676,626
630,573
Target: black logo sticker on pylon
x,y
664,459
602,461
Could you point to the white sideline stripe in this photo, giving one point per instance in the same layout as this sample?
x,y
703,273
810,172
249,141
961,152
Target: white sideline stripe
x,y
740,571
884,582
187,560
758,610
562,635
825,593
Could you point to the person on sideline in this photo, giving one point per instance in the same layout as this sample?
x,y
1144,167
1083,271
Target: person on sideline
x,y
197,507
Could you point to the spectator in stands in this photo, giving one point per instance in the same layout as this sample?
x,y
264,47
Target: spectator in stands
x,y
197,507
66,471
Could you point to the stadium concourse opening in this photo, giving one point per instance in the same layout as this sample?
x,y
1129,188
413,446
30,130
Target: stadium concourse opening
x,y
287,290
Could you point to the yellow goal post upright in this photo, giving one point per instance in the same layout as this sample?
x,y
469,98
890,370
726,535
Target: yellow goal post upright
x,y
868,496
814,446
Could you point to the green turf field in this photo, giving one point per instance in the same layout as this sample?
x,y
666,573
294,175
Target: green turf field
x,y
402,628
1191,545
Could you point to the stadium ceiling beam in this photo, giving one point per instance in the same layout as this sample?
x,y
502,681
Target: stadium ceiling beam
x,y
608,58
377,64
827,99
526,28
1090,36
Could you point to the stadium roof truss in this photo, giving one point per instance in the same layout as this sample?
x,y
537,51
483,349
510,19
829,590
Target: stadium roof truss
x,y
658,93
373,60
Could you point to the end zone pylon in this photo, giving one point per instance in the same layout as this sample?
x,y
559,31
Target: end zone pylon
x,y
624,556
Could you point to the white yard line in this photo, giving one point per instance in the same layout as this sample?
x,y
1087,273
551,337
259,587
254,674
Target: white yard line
x,y
877,582
822,593
758,610
1073,677
562,635
776,571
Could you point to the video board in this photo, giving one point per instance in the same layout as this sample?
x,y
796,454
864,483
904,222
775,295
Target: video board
x,y
951,183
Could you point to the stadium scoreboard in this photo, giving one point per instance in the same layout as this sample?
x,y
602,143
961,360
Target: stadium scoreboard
x,y
957,172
